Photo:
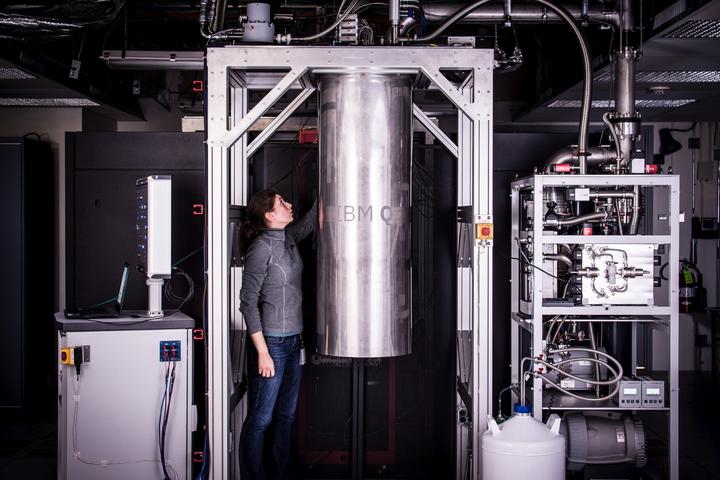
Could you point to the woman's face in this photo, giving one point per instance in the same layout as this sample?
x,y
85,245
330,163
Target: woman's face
x,y
280,215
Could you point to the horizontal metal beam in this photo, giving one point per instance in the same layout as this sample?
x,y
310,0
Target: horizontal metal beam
x,y
153,60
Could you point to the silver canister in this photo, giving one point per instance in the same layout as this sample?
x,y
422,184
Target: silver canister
x,y
364,282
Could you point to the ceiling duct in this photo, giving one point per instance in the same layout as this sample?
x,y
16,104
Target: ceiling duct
x,y
29,22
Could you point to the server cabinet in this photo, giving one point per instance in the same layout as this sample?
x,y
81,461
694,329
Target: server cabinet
x,y
27,261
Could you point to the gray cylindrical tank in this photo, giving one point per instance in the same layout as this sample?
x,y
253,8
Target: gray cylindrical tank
x,y
364,241
603,438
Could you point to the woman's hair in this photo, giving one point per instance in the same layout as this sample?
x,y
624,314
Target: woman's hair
x,y
260,203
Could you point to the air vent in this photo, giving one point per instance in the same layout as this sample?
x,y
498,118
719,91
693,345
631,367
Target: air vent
x,y
13,73
696,29
649,103
46,102
679,76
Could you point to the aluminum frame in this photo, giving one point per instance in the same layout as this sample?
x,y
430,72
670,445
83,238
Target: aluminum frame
x,y
667,316
232,71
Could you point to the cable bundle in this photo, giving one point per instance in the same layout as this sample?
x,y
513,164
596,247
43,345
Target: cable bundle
x,y
165,414
174,297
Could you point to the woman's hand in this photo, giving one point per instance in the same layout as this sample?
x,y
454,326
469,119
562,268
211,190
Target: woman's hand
x,y
266,366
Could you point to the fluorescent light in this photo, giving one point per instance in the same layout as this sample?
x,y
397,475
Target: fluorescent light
x,y
675,76
47,102
13,73
649,103
696,29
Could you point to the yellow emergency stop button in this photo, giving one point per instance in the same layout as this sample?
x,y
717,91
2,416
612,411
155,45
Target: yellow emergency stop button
x,y
66,356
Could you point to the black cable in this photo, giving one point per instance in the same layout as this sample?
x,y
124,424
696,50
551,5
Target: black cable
x,y
165,422
161,438
174,297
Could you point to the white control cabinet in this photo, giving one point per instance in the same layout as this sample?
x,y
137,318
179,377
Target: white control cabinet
x,y
108,422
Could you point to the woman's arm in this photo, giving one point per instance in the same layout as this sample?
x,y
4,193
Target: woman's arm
x,y
305,226
254,271
255,268
266,366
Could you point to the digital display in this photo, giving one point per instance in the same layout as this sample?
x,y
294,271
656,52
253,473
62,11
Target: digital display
x,y
653,391
630,391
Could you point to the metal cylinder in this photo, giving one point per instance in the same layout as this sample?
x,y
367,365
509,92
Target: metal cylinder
x,y
363,270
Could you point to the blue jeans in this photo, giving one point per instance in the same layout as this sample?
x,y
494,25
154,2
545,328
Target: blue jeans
x,y
270,401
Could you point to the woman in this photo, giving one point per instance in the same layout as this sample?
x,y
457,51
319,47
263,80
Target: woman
x,y
271,302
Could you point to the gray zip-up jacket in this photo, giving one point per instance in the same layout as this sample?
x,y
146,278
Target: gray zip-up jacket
x,y
271,293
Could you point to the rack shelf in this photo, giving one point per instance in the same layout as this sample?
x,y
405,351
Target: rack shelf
x,y
531,285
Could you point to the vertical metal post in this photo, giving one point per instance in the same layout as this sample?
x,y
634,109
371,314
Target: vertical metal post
x,y
537,318
674,427
479,91
218,271
465,299
358,416
515,280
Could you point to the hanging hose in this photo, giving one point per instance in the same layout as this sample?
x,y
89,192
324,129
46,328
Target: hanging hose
x,y
593,345
587,67
343,16
616,371
616,140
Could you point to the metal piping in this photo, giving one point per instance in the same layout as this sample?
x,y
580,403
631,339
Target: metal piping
x,y
625,104
635,220
593,345
280,38
587,67
625,117
218,16
521,13
611,194
407,24
596,156
575,220
394,21
556,257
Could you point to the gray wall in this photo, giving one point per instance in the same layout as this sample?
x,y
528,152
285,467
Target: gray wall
x,y
51,124
705,205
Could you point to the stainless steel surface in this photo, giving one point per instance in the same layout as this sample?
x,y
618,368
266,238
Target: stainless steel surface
x,y
364,242
625,103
